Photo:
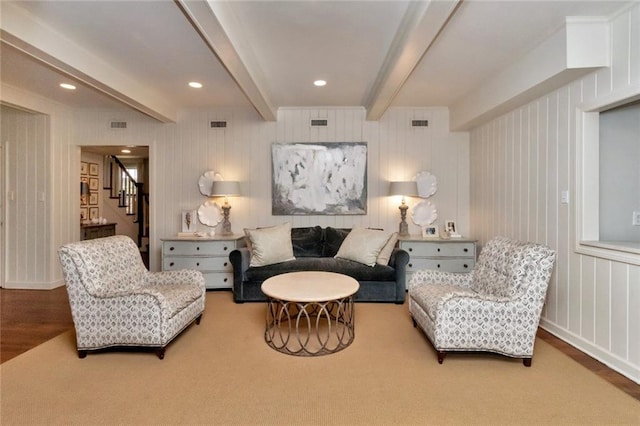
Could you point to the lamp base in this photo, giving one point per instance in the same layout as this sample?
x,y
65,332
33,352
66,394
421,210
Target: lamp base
x,y
226,225
403,230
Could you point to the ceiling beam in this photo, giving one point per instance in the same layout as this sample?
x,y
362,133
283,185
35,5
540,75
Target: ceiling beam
x,y
27,34
221,31
422,23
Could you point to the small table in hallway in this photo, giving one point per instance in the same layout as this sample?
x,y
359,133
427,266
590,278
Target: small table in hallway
x,y
310,313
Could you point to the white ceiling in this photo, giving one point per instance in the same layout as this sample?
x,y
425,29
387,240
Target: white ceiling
x,y
267,53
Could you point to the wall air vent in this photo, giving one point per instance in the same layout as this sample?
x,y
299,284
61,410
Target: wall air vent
x,y
217,124
118,124
318,122
420,123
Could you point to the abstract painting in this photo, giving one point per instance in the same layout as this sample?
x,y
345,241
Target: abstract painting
x,y
324,178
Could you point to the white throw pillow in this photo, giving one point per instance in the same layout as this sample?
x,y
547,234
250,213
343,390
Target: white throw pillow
x,y
385,253
363,245
270,245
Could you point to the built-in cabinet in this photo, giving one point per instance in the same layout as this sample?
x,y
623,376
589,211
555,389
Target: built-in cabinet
x,y
449,255
207,255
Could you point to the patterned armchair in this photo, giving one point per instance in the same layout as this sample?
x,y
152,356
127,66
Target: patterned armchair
x,y
495,308
116,302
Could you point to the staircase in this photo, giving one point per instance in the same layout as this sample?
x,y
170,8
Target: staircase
x,y
131,196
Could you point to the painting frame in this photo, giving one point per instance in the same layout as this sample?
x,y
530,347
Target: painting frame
x,y
93,169
84,214
319,178
93,184
84,167
93,199
94,213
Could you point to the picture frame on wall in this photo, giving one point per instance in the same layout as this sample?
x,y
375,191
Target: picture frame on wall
x,y
93,199
320,178
84,200
94,213
83,213
93,169
84,168
93,184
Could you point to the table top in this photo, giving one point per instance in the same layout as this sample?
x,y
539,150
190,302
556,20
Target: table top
x,y
310,286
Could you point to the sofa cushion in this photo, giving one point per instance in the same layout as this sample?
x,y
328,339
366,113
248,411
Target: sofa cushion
x,y
307,242
270,245
363,245
333,238
385,253
355,270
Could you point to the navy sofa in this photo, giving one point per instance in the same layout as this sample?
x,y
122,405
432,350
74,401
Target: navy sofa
x,y
314,249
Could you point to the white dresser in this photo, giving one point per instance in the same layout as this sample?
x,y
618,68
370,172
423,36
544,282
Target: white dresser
x,y
208,255
449,255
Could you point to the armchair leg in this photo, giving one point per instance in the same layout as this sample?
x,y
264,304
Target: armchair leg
x,y
198,319
441,356
160,352
82,354
415,324
526,362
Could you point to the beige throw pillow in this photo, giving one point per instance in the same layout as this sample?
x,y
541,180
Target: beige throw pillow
x,y
385,253
270,245
363,245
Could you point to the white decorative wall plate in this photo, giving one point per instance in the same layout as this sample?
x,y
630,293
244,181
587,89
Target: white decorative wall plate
x,y
427,184
424,213
209,213
206,181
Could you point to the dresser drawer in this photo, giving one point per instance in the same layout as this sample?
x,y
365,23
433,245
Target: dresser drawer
x,y
436,249
446,265
218,279
191,248
200,263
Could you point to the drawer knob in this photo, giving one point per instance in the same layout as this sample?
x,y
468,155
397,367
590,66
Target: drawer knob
x,y
410,249
438,249
438,266
410,265
171,248
197,248
224,248
465,265
171,264
466,250
225,280
225,264
197,263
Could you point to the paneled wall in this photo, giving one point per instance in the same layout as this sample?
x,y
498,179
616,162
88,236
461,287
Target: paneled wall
x,y
41,171
242,151
520,164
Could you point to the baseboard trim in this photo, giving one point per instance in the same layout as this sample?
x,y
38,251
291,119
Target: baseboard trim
x,y
612,361
21,285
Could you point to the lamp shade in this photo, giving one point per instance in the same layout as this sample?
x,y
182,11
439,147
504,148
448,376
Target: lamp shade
x,y
225,188
406,188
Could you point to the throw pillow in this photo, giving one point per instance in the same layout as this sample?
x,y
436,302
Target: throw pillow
x,y
307,242
270,245
363,246
333,238
385,253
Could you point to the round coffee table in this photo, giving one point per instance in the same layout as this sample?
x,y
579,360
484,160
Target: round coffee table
x,y
310,313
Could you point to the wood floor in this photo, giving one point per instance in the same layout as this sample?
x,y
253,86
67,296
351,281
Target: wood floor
x,y
31,317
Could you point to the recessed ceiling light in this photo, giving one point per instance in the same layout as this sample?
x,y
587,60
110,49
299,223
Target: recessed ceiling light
x,y
126,151
67,86
195,84
319,83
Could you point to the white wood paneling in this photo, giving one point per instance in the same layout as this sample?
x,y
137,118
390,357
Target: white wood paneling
x,y
520,163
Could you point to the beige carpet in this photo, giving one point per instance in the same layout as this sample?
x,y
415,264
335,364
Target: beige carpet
x,y
222,372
